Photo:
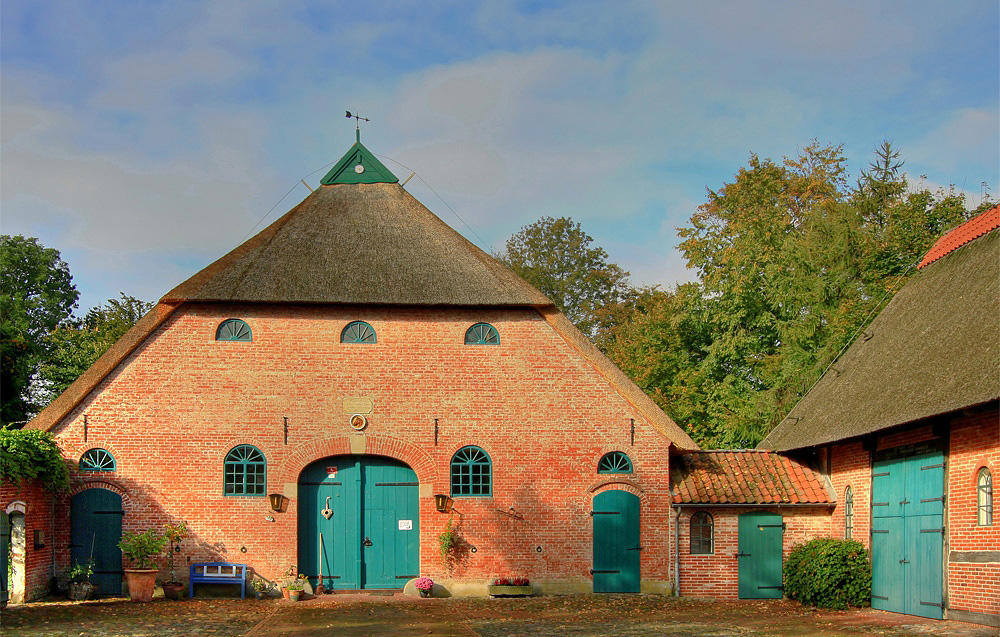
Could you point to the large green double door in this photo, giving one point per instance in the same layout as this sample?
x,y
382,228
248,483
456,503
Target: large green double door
x,y
908,534
366,510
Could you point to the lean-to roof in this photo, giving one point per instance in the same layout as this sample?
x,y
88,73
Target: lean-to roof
x,y
933,350
745,477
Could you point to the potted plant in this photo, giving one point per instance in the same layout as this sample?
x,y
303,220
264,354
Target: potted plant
x,y
511,587
448,540
260,588
141,549
290,578
80,587
174,589
294,589
424,586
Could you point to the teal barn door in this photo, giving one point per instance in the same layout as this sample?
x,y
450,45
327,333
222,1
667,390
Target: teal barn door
x,y
366,509
760,557
908,534
616,542
96,525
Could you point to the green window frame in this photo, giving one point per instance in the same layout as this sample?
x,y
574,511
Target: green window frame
x,y
234,330
482,334
984,498
245,472
471,472
615,462
97,459
358,332
702,534
848,513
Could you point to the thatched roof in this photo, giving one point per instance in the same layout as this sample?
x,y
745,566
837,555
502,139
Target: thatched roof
x,y
933,350
364,244
746,477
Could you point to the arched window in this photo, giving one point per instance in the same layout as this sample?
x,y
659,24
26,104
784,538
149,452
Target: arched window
x,y
614,462
482,334
848,513
984,497
471,472
702,534
358,332
97,460
233,330
245,471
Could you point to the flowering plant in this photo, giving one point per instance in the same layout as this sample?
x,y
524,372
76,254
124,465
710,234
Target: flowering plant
x,y
510,581
424,584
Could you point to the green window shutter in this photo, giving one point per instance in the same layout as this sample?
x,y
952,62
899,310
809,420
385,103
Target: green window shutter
x,y
482,334
471,472
615,462
97,460
358,332
233,330
245,471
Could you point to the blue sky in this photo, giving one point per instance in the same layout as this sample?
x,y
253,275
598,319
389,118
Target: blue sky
x,y
145,139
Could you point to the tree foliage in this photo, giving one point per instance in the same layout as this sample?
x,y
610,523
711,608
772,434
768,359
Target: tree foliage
x,y
555,256
791,262
37,294
77,344
29,454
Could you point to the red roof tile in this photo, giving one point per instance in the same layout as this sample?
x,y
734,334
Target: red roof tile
x,y
958,237
745,477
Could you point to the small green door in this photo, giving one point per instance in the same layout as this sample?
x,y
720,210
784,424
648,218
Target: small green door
x,y
616,542
760,558
908,532
366,509
95,529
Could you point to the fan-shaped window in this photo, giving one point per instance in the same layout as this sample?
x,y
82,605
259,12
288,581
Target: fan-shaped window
x,y
97,460
614,462
848,513
984,497
702,534
471,472
246,471
233,330
358,332
482,334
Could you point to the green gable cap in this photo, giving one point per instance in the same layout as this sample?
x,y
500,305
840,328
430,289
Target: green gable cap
x,y
347,170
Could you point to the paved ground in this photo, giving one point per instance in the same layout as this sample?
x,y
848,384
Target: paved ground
x,y
377,616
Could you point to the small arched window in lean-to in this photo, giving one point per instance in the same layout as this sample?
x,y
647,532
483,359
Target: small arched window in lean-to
x,y
848,513
984,497
482,334
702,534
233,330
97,460
358,332
614,462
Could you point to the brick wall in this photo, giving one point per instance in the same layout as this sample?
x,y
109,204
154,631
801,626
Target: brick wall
x,y
974,443
36,504
182,400
717,575
850,465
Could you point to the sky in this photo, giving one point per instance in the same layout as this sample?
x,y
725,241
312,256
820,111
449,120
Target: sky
x,y
143,140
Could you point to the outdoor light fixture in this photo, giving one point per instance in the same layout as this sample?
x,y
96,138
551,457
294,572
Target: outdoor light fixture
x,y
442,502
276,501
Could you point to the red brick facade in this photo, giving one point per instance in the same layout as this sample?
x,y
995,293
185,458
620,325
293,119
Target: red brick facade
x,y
33,564
175,407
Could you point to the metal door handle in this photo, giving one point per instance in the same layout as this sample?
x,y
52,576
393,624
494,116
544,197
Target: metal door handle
x,y
367,542
904,561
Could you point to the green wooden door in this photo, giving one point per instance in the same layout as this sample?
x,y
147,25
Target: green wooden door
x,y
96,525
616,542
908,533
760,558
371,535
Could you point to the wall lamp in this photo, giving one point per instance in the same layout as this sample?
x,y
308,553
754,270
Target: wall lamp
x,y
277,501
442,503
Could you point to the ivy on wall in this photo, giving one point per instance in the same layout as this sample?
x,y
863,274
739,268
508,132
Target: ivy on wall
x,y
29,454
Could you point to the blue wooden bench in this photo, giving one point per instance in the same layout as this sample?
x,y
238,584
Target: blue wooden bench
x,y
218,573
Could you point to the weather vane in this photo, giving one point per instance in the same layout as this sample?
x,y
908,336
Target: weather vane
x,y
357,123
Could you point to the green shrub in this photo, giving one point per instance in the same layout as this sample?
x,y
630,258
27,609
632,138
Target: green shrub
x,y
142,548
829,573
27,454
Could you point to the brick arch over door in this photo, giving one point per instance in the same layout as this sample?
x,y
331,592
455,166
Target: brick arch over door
x,y
376,445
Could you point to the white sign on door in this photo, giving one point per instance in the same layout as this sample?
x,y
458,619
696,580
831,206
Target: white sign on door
x,y
405,525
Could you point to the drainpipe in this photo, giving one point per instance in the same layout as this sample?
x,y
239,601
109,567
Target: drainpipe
x,y
677,553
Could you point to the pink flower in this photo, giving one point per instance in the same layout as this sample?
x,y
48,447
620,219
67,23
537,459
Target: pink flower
x,y
424,583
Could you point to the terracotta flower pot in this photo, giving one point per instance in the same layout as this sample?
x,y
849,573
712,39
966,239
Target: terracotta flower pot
x,y
284,592
141,584
173,590
294,595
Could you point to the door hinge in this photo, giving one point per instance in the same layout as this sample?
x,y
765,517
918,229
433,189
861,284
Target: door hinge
x,y
593,513
638,548
742,554
596,571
